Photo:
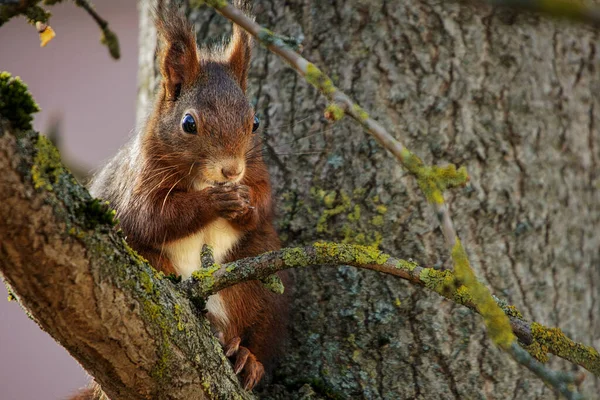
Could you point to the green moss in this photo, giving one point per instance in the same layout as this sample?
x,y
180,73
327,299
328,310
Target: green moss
x,y
47,166
274,284
333,112
134,254
319,80
97,212
496,321
16,104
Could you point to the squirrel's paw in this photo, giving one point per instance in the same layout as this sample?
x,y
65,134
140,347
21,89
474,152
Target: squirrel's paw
x,y
231,201
245,361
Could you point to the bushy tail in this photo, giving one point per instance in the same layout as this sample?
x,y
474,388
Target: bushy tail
x,y
92,392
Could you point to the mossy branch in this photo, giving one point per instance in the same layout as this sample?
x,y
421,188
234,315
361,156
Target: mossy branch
x,y
445,283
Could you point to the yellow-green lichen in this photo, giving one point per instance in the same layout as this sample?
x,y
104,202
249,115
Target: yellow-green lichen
x,y
333,112
351,254
381,209
47,166
273,283
538,352
147,283
512,311
211,3
440,281
355,214
329,200
319,80
553,340
177,311
433,180
463,295
377,220
496,321
296,257
205,276
360,113
16,103
407,265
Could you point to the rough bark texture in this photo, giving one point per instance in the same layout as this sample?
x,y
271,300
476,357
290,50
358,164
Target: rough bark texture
x,y
124,322
514,98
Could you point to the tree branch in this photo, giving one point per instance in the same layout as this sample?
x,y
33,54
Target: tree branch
x,y
535,335
62,259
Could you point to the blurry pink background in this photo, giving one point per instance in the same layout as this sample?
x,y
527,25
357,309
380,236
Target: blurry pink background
x,y
74,80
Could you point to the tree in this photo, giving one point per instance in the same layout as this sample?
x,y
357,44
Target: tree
x,y
503,94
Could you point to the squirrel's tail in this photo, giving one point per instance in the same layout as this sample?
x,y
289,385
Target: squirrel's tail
x,y
92,392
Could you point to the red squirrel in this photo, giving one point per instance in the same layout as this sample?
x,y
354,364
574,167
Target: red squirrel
x,y
194,175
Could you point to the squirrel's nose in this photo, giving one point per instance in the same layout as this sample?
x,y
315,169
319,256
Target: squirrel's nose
x,y
231,172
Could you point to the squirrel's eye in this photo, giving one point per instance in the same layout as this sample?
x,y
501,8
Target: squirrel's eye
x,y
188,124
256,124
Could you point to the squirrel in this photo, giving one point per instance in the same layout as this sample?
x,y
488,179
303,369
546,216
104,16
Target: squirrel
x,y
194,175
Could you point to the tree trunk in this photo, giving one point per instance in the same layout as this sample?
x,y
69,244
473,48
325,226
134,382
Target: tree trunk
x,y
513,97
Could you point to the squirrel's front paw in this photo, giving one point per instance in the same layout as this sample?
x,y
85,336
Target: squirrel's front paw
x,y
245,361
231,201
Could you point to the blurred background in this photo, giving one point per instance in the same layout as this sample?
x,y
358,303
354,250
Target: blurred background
x,y
89,99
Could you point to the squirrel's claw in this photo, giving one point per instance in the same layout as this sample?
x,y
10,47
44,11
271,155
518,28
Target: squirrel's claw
x,y
232,347
245,361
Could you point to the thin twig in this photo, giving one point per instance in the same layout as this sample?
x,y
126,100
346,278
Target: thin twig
x,y
109,39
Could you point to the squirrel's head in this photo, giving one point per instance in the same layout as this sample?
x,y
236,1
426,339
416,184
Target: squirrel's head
x,y
202,122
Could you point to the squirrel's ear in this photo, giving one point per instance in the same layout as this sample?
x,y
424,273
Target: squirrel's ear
x,y
179,61
239,54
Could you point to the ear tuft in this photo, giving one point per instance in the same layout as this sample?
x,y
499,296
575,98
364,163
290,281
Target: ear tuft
x,y
239,51
179,61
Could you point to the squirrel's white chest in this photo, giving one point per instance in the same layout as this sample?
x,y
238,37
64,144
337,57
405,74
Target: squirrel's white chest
x,y
185,255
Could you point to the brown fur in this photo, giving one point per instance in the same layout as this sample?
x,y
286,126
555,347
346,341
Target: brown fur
x,y
152,182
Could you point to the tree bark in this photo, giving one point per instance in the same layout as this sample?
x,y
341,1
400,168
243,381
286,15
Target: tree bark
x,y
514,98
